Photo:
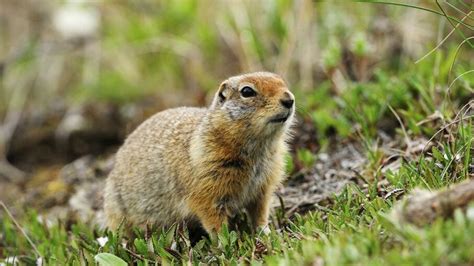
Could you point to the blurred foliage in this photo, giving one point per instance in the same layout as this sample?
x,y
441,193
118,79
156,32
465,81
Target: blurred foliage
x,y
351,66
179,51
147,47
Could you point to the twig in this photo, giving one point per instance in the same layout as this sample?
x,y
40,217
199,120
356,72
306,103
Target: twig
x,y
138,256
436,115
20,228
458,77
396,192
423,207
405,134
457,9
296,206
456,54
452,24
420,8
443,128
440,43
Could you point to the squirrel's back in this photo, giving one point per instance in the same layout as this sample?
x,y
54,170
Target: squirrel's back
x,y
150,163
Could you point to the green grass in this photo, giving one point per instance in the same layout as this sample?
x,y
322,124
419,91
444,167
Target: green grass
x,y
356,226
354,229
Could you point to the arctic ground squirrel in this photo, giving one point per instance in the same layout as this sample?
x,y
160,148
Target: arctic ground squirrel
x,y
204,165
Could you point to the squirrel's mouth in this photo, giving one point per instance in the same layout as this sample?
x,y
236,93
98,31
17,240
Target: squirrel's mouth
x,y
280,118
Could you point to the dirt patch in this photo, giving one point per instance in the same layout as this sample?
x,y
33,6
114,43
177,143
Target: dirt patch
x,y
331,172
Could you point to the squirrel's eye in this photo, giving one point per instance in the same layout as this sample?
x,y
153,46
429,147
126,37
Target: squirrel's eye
x,y
247,92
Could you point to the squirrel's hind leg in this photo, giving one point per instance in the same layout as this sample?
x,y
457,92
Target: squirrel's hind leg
x,y
114,213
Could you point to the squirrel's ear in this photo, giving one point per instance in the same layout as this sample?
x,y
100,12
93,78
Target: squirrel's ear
x,y
221,95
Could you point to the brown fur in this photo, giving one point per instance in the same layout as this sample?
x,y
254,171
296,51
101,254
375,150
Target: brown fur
x,y
192,164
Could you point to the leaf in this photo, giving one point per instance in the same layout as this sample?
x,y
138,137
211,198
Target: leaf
x,y
437,154
170,235
141,246
107,259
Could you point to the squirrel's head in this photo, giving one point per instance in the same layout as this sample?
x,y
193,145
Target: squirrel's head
x,y
260,100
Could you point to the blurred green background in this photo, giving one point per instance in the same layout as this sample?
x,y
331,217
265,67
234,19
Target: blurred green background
x,y
384,96
121,51
60,57
77,76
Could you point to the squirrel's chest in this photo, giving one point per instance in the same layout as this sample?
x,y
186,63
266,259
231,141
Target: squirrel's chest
x,y
258,178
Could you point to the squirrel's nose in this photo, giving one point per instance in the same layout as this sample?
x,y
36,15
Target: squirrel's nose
x,y
288,103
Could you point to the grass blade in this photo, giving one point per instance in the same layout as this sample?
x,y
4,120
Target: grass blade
x,y
107,259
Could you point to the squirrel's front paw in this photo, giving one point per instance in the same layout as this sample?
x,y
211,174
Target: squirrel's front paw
x,y
263,229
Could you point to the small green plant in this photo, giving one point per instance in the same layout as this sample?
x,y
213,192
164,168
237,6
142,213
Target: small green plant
x,y
306,157
156,49
107,259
